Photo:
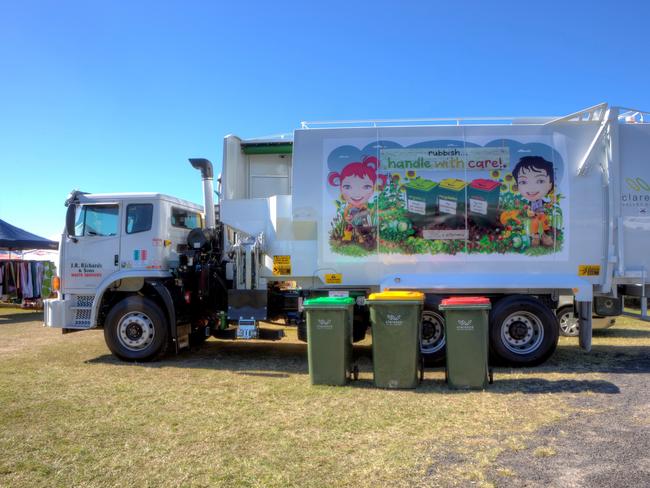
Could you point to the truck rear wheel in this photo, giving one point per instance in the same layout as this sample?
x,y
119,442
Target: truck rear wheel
x,y
136,330
523,331
432,335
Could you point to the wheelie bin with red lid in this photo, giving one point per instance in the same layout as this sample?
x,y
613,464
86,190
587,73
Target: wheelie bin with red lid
x,y
466,332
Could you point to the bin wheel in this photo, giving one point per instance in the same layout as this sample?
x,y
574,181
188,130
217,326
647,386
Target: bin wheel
x,y
490,376
355,372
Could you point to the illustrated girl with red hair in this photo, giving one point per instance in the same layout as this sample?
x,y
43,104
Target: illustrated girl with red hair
x,y
357,185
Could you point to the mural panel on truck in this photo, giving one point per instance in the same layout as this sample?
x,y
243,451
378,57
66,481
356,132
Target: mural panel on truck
x,y
436,199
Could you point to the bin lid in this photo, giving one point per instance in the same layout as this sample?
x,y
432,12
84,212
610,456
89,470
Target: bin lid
x,y
397,295
483,184
465,301
452,184
421,184
329,302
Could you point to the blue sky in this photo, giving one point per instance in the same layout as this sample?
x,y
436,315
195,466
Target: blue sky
x,y
115,96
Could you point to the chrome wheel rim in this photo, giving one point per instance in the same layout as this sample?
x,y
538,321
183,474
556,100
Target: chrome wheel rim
x,y
569,324
522,332
432,335
135,331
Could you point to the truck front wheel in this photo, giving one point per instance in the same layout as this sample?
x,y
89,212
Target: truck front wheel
x,y
136,330
523,331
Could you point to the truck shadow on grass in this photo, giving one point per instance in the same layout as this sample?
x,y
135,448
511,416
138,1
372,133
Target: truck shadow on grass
x,y
619,359
19,318
278,360
505,385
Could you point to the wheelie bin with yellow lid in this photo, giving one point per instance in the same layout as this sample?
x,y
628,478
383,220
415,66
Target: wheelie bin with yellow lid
x,y
395,318
329,339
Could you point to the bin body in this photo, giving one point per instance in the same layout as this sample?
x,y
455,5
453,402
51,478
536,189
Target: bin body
x,y
421,199
329,339
466,332
396,318
451,201
483,201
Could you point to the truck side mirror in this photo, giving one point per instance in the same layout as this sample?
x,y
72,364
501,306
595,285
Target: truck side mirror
x,y
69,220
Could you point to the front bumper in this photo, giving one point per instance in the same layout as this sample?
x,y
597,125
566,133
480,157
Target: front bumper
x,y
72,312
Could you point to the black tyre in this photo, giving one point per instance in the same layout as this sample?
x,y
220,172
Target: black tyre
x,y
523,331
568,322
302,330
198,337
361,324
136,330
432,333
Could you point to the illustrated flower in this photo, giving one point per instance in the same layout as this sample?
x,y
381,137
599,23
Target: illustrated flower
x,y
402,188
395,177
504,187
514,188
410,173
508,177
495,173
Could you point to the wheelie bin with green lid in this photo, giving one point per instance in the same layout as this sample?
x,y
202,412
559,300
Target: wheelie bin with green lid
x,y
395,318
466,333
329,339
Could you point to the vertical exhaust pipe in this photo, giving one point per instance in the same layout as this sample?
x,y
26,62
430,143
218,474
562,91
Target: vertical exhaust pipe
x,y
207,175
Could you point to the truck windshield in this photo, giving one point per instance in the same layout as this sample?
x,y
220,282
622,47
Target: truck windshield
x,y
96,220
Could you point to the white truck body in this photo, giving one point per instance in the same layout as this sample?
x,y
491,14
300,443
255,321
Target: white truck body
x,y
601,171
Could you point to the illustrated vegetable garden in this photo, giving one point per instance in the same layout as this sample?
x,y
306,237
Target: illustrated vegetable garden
x,y
391,228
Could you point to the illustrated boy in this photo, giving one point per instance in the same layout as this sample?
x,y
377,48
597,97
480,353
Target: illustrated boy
x,y
535,181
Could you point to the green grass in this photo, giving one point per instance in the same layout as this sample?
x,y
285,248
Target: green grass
x,y
244,414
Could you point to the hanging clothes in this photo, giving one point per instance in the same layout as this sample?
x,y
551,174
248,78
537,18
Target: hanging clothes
x,y
26,280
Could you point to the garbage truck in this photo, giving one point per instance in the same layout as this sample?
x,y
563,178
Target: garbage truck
x,y
520,210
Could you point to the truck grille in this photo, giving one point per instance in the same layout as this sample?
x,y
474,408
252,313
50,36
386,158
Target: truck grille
x,y
84,300
82,309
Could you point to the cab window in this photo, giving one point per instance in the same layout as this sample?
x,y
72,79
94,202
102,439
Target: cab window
x,y
96,220
185,219
138,217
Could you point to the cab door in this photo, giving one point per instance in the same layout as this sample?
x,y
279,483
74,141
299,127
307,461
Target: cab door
x,y
93,252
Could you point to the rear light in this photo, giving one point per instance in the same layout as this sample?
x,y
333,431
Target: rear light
x,y
188,297
56,283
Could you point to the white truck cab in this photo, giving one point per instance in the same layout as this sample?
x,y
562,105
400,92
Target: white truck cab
x,y
115,242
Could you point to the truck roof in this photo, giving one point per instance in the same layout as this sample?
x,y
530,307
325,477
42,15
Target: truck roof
x,y
106,197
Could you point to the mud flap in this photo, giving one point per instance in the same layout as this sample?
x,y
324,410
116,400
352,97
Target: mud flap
x,y
584,315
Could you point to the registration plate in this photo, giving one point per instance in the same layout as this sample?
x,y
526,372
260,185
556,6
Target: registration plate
x,y
246,332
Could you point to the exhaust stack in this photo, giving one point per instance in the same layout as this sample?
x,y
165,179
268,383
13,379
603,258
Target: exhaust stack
x,y
207,176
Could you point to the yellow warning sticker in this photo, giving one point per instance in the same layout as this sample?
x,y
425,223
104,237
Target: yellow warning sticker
x,y
281,265
589,270
333,278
